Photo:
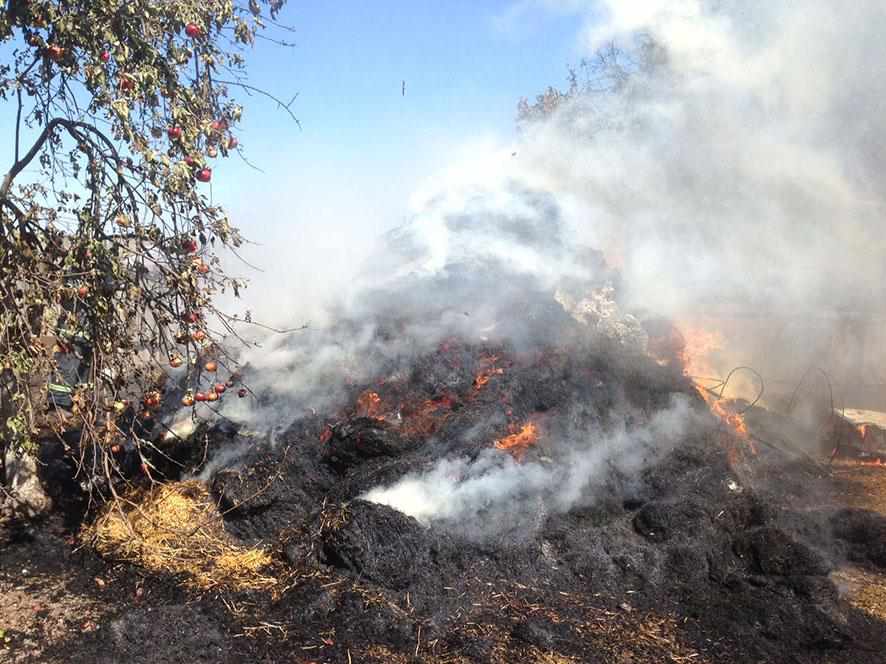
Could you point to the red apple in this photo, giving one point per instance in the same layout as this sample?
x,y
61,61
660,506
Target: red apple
x,y
212,396
191,317
190,161
193,30
204,174
82,292
115,449
174,133
190,245
200,396
233,143
242,392
211,366
220,388
202,268
55,52
105,56
127,83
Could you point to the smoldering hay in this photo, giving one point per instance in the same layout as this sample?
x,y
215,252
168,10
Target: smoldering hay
x,y
742,166
485,493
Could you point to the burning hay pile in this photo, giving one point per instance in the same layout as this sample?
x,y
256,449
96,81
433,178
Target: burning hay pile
x,y
554,493
176,529
582,476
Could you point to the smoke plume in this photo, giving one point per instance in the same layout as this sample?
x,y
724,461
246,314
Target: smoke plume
x,y
731,170
493,492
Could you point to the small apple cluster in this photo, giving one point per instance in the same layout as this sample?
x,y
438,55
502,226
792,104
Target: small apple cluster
x,y
215,390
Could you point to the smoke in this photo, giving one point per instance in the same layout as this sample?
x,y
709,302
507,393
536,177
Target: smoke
x,y
492,492
732,169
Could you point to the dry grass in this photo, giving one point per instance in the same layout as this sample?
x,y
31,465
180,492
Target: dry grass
x,y
862,486
864,589
176,529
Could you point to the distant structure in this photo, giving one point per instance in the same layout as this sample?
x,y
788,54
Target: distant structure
x,y
403,89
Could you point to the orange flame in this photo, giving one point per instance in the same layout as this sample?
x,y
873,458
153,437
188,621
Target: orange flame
x,y
736,425
427,418
699,344
487,372
369,405
518,442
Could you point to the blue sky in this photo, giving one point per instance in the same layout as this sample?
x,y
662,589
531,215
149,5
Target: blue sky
x,y
465,65
326,189
347,174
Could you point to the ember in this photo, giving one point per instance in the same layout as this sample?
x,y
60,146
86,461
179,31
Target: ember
x,y
488,371
737,439
369,405
517,443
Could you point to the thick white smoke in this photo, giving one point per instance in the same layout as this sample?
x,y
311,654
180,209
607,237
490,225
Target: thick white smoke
x,y
738,170
488,493
735,172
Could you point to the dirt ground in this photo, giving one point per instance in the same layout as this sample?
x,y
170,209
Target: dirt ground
x,y
862,487
60,604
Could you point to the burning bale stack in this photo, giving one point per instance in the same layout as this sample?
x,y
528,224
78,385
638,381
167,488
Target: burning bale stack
x,y
491,500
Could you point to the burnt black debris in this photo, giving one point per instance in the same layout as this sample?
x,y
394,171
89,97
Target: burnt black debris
x,y
683,532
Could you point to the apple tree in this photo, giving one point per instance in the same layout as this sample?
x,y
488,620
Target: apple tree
x,y
119,110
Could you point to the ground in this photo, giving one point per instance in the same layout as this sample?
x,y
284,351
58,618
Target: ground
x,y
862,487
682,545
60,603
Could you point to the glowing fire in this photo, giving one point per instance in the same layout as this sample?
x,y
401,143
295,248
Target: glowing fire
x,y
699,343
427,418
518,442
369,405
487,371
740,440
